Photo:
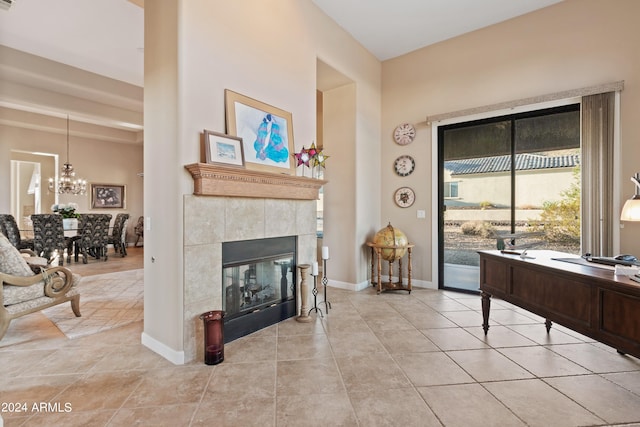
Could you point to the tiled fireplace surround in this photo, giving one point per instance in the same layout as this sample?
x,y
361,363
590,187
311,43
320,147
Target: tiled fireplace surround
x,y
231,205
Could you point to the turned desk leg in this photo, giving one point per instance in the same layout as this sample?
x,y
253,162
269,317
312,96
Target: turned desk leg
x,y
486,306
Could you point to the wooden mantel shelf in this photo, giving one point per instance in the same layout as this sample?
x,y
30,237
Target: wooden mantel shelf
x,y
213,180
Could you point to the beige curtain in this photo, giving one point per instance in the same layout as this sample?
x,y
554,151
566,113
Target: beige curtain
x,y
597,173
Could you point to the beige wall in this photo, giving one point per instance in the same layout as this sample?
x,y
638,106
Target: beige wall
x,y
570,45
339,219
196,49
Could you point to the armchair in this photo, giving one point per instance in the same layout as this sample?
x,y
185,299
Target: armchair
x,y
24,292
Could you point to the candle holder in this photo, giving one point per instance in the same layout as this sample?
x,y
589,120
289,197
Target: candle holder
x,y
325,282
304,315
314,291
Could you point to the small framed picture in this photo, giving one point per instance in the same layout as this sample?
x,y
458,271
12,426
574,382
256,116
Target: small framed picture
x,y
223,149
107,196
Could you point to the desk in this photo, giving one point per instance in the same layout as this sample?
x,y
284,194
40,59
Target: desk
x,y
588,299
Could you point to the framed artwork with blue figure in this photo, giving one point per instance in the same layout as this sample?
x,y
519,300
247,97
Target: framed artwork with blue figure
x,y
266,133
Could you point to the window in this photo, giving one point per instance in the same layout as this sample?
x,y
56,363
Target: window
x,y
520,178
450,190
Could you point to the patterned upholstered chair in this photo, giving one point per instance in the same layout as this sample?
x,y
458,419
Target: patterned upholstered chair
x,y
93,236
9,227
118,236
48,236
22,291
139,230
72,247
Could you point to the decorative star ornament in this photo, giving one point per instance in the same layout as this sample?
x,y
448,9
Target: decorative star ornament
x,y
303,157
312,151
319,159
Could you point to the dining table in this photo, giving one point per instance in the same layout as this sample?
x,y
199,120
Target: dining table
x,y
69,234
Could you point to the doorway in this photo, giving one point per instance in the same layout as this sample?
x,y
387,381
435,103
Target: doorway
x,y
509,181
27,194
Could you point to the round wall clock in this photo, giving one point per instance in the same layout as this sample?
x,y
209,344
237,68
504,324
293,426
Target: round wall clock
x,y
404,165
404,197
404,134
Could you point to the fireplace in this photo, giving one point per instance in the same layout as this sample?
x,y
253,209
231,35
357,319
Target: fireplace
x,y
231,205
258,284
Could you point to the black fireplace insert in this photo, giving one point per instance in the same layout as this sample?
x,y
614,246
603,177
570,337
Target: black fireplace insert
x,y
258,284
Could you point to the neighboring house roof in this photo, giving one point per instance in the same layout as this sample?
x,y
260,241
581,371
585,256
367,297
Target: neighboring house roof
x,y
503,163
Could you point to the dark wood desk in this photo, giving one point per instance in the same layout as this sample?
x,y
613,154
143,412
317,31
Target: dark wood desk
x,y
588,299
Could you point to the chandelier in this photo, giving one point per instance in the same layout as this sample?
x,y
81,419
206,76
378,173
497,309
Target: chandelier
x,y
67,183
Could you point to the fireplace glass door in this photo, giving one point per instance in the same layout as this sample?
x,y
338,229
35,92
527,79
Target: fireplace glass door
x,y
258,284
255,285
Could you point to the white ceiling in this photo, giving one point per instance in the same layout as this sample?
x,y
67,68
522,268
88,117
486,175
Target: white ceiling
x,y
390,28
106,37
102,36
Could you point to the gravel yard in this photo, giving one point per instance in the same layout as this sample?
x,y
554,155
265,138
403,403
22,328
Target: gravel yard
x,y
461,248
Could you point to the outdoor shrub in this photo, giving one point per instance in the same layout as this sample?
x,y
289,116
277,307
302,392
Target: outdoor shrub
x,y
485,205
560,219
477,228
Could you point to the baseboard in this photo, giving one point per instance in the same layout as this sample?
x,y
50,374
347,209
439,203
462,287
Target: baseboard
x,y
426,284
348,286
173,356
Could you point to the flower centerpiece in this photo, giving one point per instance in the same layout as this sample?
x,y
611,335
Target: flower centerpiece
x,y
67,211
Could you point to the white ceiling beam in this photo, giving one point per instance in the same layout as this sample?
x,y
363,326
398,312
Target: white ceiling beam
x,y
58,124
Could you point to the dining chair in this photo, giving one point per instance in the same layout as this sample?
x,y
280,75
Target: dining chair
x,y
48,236
139,230
9,227
118,236
93,236
84,231
71,238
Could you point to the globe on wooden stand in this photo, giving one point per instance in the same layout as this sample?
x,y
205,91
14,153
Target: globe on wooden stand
x,y
390,244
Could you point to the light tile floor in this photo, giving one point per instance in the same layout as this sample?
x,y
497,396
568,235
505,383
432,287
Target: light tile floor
x,y
375,360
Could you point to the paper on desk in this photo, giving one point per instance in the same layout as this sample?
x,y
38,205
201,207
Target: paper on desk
x,y
623,270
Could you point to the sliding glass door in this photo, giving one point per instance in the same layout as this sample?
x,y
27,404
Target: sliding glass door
x,y
508,182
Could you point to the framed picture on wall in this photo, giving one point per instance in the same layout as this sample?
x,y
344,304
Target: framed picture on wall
x,y
107,196
223,149
266,133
